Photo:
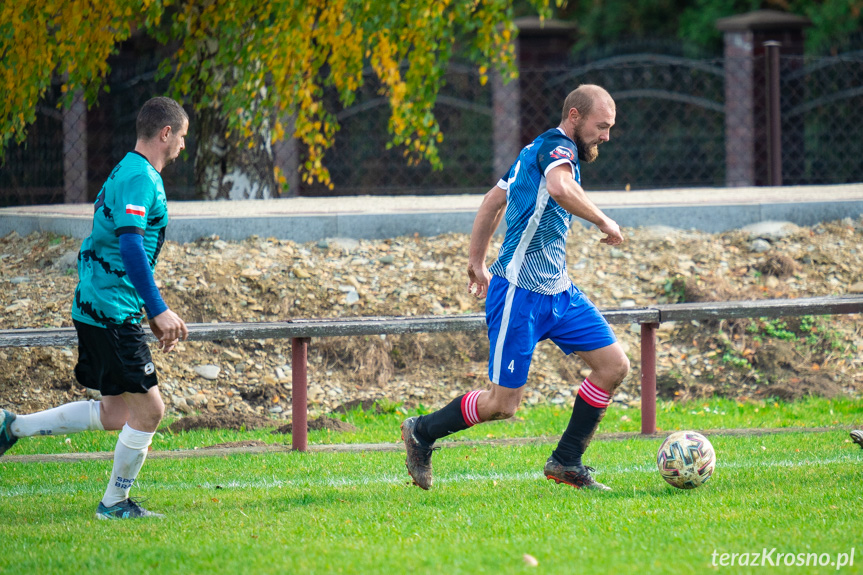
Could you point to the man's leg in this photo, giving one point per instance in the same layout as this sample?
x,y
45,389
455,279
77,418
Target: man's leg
x,y
63,420
144,414
609,365
420,433
511,345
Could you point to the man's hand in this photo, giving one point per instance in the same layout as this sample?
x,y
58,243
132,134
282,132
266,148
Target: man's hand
x,y
169,329
613,235
478,278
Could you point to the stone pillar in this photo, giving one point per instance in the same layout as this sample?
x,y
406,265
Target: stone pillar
x,y
75,151
542,45
745,89
518,107
505,123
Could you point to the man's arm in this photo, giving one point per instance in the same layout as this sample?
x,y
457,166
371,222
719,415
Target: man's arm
x,y
571,197
487,220
166,325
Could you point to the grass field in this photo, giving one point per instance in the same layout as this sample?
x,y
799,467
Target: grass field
x,y
795,492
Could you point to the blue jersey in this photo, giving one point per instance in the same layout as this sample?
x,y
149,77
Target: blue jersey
x,y
131,201
533,254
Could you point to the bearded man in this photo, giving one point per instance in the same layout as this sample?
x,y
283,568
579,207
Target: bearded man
x,y
530,296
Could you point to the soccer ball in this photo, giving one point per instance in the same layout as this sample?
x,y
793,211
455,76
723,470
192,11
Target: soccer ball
x,y
686,459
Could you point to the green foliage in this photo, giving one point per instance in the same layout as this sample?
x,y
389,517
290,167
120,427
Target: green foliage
x,y
675,289
813,332
731,357
607,21
71,39
260,64
281,55
775,328
819,331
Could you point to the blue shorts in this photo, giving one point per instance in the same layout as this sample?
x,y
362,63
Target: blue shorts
x,y
518,319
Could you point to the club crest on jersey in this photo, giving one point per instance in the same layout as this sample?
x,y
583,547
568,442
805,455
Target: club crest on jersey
x,y
562,152
136,210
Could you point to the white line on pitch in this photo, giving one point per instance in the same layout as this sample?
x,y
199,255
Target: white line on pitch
x,y
391,479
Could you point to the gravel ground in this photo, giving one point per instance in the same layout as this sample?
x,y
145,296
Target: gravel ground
x,y
270,280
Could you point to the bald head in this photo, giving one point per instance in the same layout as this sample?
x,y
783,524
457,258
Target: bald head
x,y
587,118
584,98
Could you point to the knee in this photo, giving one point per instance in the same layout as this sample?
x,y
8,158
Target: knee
x,y
156,414
150,418
614,372
622,368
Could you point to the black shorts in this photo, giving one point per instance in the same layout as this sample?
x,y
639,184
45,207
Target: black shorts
x,y
114,360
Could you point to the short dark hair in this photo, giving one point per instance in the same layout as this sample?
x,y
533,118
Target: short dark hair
x,y
156,113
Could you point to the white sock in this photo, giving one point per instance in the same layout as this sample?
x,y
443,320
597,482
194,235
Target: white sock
x,y
129,456
68,418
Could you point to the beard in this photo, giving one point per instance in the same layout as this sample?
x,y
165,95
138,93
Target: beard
x,y
586,153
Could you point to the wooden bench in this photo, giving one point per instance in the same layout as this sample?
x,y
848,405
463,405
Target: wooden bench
x,y
301,331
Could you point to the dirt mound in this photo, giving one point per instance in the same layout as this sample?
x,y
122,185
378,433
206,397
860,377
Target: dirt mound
x,y
321,423
271,280
370,405
818,384
236,421
779,265
245,443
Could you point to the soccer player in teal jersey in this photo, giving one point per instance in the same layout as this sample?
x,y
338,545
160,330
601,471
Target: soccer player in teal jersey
x,y
115,281
530,296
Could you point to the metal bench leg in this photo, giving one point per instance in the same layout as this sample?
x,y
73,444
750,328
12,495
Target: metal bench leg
x,y
648,378
299,393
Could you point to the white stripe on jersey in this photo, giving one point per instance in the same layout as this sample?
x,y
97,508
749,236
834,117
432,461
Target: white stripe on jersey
x,y
501,335
514,267
533,253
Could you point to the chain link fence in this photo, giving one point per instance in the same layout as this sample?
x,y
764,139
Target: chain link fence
x,y
822,109
360,163
673,128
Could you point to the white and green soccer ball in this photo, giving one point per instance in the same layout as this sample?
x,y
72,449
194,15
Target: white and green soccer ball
x,y
686,459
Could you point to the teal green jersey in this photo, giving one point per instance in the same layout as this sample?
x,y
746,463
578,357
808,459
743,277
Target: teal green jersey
x,y
131,201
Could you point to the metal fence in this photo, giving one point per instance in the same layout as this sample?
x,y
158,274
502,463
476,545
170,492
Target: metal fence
x,y
671,129
822,111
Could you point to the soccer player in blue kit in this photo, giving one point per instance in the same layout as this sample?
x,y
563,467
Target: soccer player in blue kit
x,y
115,280
530,296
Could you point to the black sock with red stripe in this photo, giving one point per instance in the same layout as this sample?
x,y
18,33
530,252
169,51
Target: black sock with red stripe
x,y
588,411
457,415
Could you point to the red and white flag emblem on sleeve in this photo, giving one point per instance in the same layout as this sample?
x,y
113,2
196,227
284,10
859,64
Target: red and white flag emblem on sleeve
x,y
136,210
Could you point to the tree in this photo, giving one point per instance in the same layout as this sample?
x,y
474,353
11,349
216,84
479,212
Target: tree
x,y
70,39
608,21
249,66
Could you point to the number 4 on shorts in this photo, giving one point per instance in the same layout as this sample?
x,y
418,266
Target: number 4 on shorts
x,y
511,366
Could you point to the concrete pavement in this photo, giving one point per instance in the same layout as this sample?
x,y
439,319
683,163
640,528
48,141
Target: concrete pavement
x,y
376,217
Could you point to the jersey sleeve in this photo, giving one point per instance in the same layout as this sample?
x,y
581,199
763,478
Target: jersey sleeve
x,y
503,182
132,202
555,151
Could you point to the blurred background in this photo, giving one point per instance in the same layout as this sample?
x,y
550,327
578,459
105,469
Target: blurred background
x,y
689,114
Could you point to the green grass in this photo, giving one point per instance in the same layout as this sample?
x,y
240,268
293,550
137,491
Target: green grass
x,y
357,513
529,422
